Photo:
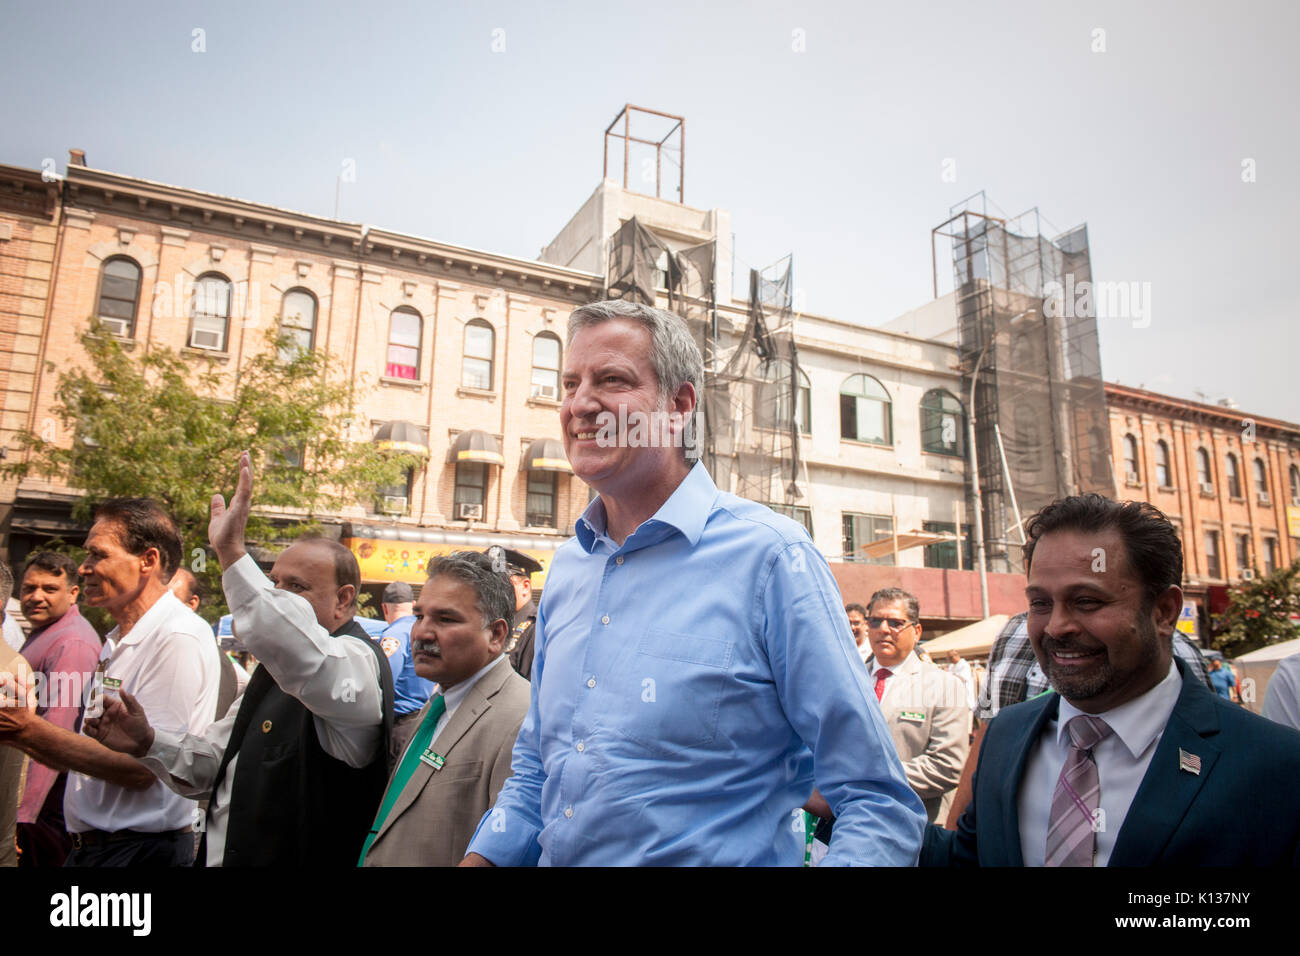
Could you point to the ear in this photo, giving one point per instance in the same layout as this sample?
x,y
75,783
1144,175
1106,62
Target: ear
x,y
346,595
150,561
74,590
500,631
1166,609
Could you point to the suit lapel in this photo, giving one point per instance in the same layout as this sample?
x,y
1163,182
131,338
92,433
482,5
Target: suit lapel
x,y
475,704
1008,784
1167,791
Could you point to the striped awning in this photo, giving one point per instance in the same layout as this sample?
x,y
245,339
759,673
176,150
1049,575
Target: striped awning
x,y
546,454
403,437
476,445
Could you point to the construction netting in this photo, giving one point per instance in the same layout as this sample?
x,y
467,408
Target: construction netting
x,y
1041,422
746,428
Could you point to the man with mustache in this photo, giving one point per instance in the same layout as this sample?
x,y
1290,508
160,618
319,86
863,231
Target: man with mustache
x,y
459,755
1132,761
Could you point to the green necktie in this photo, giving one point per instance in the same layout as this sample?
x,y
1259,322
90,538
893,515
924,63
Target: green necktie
x,y
410,760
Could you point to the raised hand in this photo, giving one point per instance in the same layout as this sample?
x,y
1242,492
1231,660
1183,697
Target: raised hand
x,y
17,703
227,525
122,726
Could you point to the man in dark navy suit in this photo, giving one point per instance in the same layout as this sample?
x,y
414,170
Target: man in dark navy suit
x,y
1131,761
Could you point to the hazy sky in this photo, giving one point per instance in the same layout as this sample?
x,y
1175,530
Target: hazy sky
x,y
823,127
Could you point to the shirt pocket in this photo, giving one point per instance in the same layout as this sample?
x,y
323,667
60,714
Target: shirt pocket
x,y
678,682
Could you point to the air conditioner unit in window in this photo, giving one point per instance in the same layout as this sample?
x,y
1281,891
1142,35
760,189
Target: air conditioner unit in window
x,y
1247,574
1295,500
1262,497
394,504
469,512
1131,477
117,326
206,339
1207,488
544,391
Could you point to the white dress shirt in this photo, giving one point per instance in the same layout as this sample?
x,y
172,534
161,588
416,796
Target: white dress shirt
x,y
457,694
168,661
1122,760
336,678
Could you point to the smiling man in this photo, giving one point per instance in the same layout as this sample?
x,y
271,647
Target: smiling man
x,y
314,719
1131,761
693,675
459,757
160,653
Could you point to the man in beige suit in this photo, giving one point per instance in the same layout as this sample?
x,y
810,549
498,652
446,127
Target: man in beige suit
x,y
925,707
459,756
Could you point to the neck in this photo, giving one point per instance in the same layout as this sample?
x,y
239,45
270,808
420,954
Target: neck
x,y
623,515
130,613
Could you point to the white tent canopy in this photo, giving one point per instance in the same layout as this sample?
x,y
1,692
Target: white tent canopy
x,y
973,640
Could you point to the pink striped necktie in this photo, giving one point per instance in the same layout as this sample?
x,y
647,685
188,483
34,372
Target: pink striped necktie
x,y
1071,835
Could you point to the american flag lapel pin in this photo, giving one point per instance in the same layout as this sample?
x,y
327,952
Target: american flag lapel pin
x,y
1189,762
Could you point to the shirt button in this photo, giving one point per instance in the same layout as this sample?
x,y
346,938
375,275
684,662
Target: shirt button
x,y
591,682
581,746
619,559
605,619
568,811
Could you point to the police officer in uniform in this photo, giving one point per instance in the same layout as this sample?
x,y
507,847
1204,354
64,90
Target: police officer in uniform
x,y
520,568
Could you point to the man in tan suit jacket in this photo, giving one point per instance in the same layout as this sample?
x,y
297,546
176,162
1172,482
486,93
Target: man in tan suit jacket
x,y
924,706
459,754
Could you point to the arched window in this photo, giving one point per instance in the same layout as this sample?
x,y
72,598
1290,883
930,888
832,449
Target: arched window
x,y
1295,485
210,312
546,366
480,347
866,412
943,425
1233,475
1203,467
404,330
772,404
1130,458
1261,477
119,295
298,322
1163,478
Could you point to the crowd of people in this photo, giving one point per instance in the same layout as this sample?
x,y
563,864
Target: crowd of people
x,y
691,689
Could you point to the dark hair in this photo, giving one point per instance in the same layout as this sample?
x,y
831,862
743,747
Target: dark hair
x,y
144,525
192,582
53,562
898,594
850,608
346,569
495,593
1151,544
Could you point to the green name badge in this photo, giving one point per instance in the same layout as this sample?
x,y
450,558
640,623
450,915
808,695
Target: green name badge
x,y
917,716
434,760
112,683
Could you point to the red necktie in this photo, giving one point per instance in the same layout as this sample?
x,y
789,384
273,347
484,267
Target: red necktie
x,y
881,676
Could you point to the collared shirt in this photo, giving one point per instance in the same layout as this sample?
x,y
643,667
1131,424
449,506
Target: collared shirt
x,y
64,653
1015,676
1122,760
689,689
410,690
168,662
337,679
453,699
1282,699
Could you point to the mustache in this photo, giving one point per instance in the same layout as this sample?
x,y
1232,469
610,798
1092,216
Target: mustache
x,y
423,645
1068,645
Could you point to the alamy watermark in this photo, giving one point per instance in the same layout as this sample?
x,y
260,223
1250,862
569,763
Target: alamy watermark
x,y
638,429
1105,300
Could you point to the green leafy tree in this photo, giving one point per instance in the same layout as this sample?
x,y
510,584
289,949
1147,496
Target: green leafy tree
x,y
1259,613
170,427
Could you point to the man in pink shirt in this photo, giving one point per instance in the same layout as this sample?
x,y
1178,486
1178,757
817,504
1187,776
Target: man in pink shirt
x,y
64,649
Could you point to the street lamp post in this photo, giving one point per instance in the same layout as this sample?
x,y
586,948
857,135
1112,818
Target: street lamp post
x,y
978,523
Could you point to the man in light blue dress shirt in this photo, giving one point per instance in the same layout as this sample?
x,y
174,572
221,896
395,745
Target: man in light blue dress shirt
x,y
694,675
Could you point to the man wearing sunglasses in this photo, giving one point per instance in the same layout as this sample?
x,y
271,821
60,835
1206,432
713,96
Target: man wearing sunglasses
x,y
925,707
